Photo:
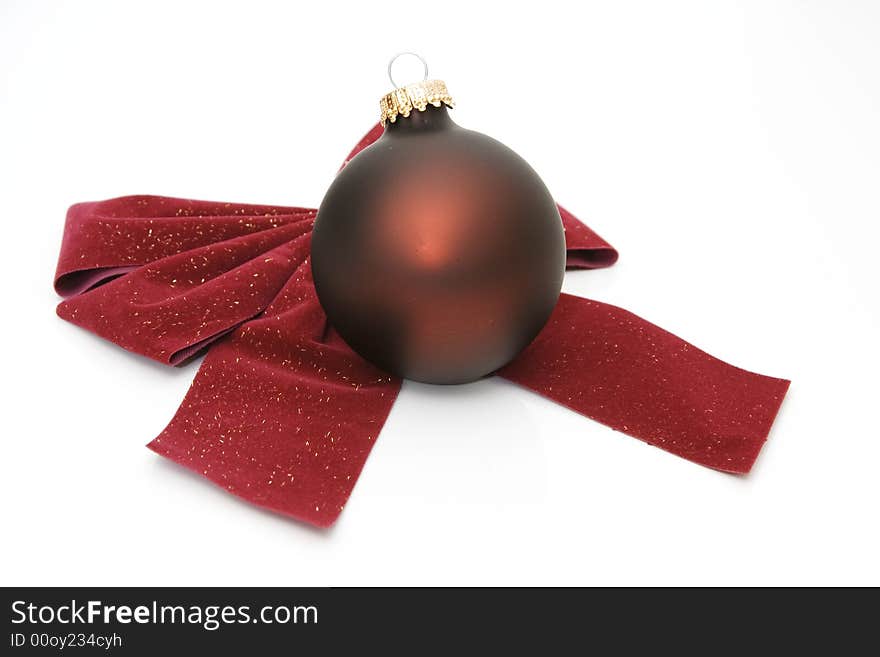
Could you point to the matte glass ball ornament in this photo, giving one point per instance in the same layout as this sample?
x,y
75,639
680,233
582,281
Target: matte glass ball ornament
x,y
438,254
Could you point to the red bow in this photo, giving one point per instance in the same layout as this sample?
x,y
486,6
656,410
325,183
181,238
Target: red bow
x,y
284,414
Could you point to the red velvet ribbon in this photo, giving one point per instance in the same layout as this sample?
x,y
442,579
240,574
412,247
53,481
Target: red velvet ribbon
x,y
284,414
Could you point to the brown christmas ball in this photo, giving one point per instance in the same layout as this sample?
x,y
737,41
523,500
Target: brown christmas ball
x,y
438,253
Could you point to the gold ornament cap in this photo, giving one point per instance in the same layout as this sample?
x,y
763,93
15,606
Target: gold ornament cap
x,y
418,95
404,99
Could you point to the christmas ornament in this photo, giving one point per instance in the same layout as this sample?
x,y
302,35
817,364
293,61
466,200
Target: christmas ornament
x,y
437,253
284,414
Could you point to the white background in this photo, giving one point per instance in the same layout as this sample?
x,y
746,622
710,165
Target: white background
x,y
731,151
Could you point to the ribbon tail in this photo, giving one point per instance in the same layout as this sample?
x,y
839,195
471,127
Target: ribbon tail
x,y
619,369
283,413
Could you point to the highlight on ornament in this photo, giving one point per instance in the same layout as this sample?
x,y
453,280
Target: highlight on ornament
x,y
437,254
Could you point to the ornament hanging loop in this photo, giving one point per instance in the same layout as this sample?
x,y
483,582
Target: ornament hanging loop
x,y
402,54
